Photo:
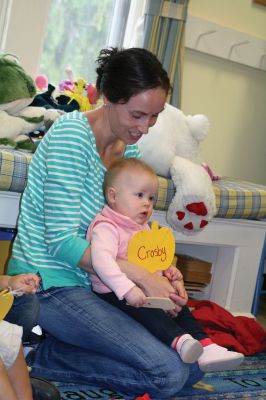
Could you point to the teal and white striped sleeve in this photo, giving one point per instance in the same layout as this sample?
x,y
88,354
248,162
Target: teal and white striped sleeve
x,y
67,159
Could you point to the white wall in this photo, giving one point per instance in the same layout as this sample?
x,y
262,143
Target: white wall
x,y
26,32
233,96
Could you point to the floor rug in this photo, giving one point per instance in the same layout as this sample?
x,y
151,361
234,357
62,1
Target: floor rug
x,y
247,382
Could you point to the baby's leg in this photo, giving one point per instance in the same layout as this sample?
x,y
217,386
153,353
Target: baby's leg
x,y
188,322
218,358
13,362
7,392
19,386
19,378
161,326
214,357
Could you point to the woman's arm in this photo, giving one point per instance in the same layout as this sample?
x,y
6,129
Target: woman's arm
x,y
152,284
85,262
65,155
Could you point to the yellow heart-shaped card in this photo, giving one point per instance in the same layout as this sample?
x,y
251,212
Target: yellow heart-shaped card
x,y
6,301
152,249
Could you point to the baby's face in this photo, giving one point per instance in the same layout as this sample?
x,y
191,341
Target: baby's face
x,y
135,194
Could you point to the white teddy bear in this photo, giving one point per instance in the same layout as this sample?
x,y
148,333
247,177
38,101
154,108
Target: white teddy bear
x,y
172,149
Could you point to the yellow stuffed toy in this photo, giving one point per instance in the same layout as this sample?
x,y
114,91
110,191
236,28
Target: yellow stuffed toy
x,y
85,94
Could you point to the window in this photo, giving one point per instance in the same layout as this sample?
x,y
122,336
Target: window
x,y
5,7
76,31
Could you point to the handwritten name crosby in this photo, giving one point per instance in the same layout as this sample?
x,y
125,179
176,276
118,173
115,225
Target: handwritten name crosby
x,y
144,253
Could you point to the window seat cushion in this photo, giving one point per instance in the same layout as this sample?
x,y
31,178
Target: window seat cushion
x,y
14,169
234,198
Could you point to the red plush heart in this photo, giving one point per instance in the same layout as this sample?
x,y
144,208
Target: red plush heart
x,y
197,208
180,215
189,226
203,223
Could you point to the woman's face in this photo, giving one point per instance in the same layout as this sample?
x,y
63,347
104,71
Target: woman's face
x,y
131,120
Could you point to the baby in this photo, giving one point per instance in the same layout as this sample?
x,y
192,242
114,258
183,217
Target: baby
x,y
130,188
15,383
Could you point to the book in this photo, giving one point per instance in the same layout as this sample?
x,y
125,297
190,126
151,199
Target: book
x,y
194,270
193,264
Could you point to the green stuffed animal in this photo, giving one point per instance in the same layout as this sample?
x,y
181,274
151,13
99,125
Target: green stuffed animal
x,y
17,118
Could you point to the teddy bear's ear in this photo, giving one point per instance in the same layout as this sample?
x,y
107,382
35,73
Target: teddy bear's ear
x,y
199,126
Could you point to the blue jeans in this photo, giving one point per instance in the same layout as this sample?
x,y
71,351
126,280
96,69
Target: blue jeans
x,y
24,312
89,341
158,322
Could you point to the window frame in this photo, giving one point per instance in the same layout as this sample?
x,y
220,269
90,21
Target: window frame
x,y
28,47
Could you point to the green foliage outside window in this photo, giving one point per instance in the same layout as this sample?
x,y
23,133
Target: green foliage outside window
x,y
76,31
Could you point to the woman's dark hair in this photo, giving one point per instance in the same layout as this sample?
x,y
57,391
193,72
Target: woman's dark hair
x,y
123,73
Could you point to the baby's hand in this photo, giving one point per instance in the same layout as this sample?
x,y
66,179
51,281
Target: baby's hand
x,y
173,274
176,278
25,283
135,297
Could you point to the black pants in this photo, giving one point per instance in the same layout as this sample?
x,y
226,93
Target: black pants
x,y
158,322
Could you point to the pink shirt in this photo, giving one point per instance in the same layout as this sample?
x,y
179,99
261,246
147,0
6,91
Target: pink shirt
x,y
110,233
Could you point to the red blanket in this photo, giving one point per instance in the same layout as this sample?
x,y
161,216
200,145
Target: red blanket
x,y
241,334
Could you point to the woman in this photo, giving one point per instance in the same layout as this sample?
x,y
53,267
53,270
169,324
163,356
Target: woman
x,y
89,340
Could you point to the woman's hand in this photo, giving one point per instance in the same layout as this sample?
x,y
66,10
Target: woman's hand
x,y
176,279
160,286
180,289
182,294
152,284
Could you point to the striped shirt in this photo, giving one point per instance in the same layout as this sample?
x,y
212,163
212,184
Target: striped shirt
x,y
63,195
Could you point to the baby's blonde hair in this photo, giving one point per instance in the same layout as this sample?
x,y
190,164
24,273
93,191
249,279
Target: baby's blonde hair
x,y
121,165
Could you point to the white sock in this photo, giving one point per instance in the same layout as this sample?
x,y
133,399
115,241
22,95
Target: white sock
x,y
188,348
218,358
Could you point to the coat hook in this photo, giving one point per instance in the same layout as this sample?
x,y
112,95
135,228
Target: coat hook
x,y
203,34
236,45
